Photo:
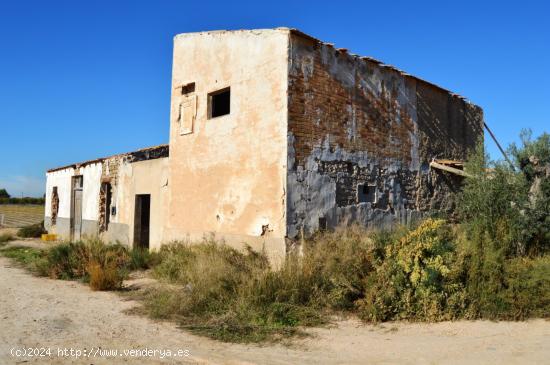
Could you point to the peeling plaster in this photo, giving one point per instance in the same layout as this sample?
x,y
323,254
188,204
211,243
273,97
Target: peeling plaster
x,y
354,121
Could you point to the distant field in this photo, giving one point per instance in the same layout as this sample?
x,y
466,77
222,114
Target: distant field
x,y
21,215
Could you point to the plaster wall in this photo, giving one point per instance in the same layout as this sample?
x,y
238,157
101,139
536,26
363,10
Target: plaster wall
x,y
228,175
143,177
91,175
62,180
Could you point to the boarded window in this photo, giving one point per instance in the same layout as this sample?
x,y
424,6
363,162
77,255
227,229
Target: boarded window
x,y
219,103
187,112
184,108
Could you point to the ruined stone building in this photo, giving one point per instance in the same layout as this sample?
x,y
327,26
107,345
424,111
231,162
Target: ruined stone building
x,y
273,134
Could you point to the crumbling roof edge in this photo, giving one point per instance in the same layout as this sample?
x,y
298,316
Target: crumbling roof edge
x,y
299,33
101,159
221,31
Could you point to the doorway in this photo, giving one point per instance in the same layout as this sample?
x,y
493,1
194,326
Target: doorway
x,y
142,218
76,208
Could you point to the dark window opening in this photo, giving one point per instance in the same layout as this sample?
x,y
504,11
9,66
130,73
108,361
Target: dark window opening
x,y
322,224
219,103
366,193
189,88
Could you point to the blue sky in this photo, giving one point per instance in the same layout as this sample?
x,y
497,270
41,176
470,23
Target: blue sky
x,y
84,79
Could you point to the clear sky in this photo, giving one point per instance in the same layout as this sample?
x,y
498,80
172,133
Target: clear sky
x,y
86,79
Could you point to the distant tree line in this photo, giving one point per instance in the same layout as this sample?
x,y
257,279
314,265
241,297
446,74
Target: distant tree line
x,y
6,198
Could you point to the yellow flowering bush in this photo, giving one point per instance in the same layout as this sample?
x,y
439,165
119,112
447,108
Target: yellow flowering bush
x,y
417,279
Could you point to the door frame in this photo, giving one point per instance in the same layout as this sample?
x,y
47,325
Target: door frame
x,y
139,241
74,188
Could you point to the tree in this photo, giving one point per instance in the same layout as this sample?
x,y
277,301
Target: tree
x,y
533,159
509,208
4,194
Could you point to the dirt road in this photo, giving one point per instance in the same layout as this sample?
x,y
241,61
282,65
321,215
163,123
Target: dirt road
x,y
38,312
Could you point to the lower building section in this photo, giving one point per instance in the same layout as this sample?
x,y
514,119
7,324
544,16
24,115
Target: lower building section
x,y
118,199
274,247
118,232
125,234
67,231
62,227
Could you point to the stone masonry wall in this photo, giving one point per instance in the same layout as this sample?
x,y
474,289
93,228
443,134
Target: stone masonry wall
x,y
360,139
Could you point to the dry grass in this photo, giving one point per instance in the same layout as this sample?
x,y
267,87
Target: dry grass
x,y
231,295
104,277
16,215
421,273
6,237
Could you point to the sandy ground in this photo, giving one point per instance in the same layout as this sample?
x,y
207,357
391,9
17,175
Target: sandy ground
x,y
39,312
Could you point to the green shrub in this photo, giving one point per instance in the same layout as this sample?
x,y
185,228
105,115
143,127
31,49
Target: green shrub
x,y
32,231
24,255
104,266
337,263
527,288
509,205
68,260
142,259
24,201
482,260
502,219
489,205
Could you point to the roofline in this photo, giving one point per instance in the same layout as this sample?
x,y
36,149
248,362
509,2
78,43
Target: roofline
x,y
301,34
101,159
219,31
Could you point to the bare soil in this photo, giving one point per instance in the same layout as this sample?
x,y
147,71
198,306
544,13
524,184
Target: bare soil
x,y
39,312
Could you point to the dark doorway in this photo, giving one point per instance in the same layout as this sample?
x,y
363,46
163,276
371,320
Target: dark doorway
x,y
142,219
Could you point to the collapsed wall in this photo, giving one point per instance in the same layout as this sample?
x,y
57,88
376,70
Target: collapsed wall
x,y
361,136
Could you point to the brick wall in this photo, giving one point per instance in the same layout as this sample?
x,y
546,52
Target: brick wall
x,y
354,122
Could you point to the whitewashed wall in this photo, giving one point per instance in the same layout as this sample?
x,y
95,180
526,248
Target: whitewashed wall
x,y
61,179
90,193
